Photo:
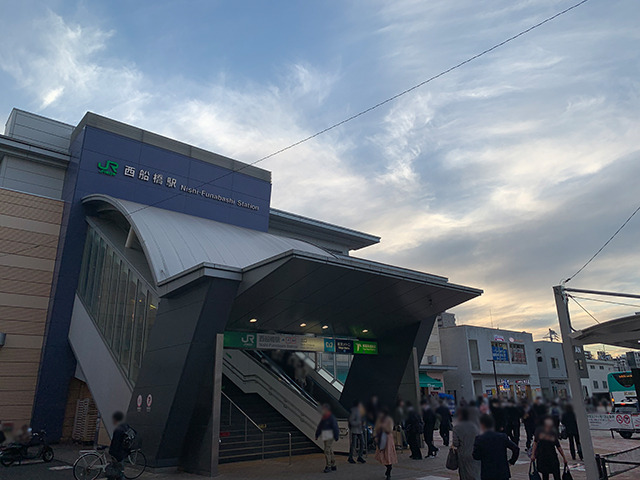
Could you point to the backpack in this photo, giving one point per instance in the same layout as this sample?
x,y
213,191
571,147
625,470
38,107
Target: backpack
x,y
130,436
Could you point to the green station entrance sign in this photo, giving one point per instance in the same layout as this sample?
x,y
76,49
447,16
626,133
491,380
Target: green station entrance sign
x,y
300,343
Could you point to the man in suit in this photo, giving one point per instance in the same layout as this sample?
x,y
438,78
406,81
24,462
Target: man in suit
x,y
446,421
490,448
429,419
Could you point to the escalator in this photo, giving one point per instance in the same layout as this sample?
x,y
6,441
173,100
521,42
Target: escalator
x,y
249,375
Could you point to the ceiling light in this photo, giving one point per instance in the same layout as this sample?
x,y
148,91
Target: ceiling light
x,y
303,324
324,327
253,320
365,331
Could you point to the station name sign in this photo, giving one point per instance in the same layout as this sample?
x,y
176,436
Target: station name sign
x,y
299,343
111,169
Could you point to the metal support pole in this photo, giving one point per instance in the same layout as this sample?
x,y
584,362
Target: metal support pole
x,y
289,448
245,429
495,377
263,445
568,349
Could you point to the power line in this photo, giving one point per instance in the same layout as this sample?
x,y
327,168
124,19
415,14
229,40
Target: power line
x,y
580,305
383,102
607,301
603,246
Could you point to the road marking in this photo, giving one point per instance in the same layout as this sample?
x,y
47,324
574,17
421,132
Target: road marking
x,y
431,477
61,467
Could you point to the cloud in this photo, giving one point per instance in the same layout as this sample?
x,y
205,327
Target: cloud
x,y
505,174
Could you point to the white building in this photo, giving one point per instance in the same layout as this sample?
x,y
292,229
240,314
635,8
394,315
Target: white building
x,y
471,349
596,385
552,370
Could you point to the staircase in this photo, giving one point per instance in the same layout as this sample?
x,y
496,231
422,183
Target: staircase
x,y
242,436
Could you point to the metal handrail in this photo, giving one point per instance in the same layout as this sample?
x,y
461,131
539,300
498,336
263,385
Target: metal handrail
x,y
248,419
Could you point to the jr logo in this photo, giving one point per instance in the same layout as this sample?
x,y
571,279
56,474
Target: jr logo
x,y
111,168
249,340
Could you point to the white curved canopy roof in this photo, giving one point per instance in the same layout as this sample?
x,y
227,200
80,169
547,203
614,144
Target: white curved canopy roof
x,y
175,243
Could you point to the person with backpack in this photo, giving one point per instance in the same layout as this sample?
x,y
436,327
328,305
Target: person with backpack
x,y
120,447
329,432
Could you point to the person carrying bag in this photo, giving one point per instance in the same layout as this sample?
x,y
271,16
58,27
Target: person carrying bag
x,y
452,459
533,472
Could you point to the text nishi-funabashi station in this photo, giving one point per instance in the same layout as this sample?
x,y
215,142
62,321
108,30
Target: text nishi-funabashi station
x,y
153,277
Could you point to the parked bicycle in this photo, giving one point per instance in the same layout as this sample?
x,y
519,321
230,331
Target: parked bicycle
x,y
93,463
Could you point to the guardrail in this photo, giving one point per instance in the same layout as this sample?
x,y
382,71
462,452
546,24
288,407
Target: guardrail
x,y
249,421
613,464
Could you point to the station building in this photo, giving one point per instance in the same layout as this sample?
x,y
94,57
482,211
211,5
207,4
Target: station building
x,y
147,275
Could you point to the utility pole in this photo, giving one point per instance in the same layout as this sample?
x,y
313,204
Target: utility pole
x,y
568,348
495,376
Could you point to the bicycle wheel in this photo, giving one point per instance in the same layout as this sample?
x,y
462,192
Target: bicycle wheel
x,y
134,464
88,467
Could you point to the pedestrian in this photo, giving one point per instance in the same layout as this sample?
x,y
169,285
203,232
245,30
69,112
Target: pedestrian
x,y
512,415
490,448
356,429
444,414
571,425
498,414
413,427
429,420
545,444
464,434
399,417
385,448
474,413
118,449
539,411
529,422
329,432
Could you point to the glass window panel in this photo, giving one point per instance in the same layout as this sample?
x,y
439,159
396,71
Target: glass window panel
x,y
152,311
91,269
86,256
97,275
127,325
474,354
138,331
121,304
113,299
105,285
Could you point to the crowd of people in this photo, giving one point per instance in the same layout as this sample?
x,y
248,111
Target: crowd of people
x,y
484,440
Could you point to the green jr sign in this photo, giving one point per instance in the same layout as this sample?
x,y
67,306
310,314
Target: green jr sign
x,y
109,168
239,340
365,348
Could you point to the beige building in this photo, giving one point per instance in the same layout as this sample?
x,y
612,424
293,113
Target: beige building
x,y
34,156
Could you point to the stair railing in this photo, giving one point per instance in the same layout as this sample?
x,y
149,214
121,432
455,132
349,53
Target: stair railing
x,y
249,421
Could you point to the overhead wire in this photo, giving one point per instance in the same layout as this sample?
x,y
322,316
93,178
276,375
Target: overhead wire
x,y
381,103
606,301
585,310
603,246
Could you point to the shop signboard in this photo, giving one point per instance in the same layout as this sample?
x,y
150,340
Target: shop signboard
x,y
365,348
312,344
299,343
344,346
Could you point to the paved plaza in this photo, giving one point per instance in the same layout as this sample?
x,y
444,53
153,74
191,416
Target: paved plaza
x,y
310,467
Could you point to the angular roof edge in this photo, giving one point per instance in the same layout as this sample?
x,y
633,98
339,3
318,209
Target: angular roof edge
x,y
294,223
103,123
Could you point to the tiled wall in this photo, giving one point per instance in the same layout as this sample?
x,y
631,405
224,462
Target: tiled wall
x,y
29,228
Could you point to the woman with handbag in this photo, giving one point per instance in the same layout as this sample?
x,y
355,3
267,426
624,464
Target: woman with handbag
x,y
385,448
545,444
465,432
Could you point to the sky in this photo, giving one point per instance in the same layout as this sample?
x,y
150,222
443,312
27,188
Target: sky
x,y
506,174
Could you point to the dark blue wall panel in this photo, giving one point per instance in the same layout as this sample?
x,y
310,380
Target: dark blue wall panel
x,y
95,146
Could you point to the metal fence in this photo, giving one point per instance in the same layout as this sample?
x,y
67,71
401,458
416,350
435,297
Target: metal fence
x,y
613,464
